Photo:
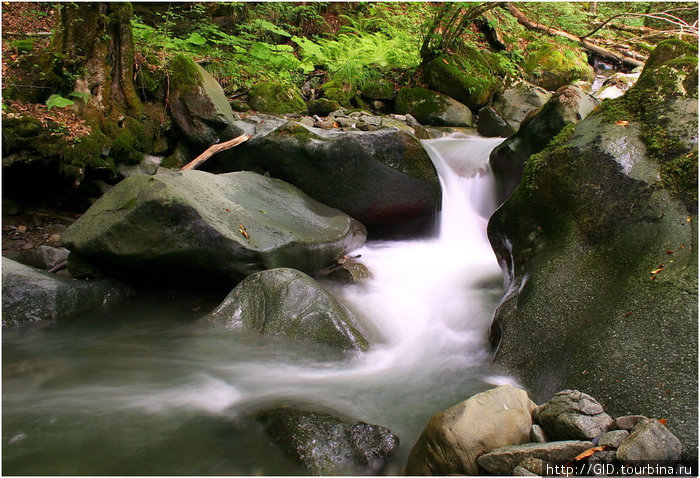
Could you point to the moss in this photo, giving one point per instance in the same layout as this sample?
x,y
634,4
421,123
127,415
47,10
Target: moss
x,y
184,74
322,106
23,46
556,149
296,131
680,176
124,149
276,98
336,90
551,66
379,90
669,50
421,103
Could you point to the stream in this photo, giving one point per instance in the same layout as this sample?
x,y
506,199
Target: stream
x,y
149,389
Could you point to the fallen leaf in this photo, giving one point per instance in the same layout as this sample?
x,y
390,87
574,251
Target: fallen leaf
x,y
622,123
662,421
688,219
669,252
446,62
228,210
656,271
263,212
589,452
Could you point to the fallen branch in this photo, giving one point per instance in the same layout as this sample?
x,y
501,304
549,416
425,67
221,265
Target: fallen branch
x,y
212,150
58,267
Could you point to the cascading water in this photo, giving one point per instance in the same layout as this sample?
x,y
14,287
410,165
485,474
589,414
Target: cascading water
x,y
156,396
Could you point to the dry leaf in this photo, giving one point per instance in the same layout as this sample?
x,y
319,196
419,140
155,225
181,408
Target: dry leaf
x,y
589,452
622,123
662,421
656,271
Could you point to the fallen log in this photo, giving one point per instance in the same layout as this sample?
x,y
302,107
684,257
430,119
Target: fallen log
x,y
212,150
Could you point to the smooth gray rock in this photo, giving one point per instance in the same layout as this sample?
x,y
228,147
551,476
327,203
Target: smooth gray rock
x,y
613,438
627,422
327,445
490,124
288,303
501,461
30,295
43,257
349,272
194,224
149,166
572,414
433,108
649,441
537,435
453,439
517,102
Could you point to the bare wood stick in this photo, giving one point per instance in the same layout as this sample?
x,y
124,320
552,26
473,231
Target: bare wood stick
x,y
212,150
59,267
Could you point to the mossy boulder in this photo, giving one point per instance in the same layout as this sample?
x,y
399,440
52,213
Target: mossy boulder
x,y
599,244
336,90
276,98
379,90
322,106
328,445
288,303
551,66
381,178
198,104
569,105
466,77
180,225
432,108
30,295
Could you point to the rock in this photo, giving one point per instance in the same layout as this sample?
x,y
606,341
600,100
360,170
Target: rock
x,y
345,122
197,102
10,207
43,257
349,272
490,124
501,461
149,166
288,303
582,240
213,227
30,295
383,177
325,124
322,106
419,131
569,105
432,108
307,121
520,471
453,439
572,414
613,438
327,445
649,441
466,77
627,422
397,124
515,103
379,90
552,67
537,435
535,465
276,98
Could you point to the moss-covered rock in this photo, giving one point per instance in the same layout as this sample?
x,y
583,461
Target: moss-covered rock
x,y
276,98
288,303
466,77
336,90
432,108
379,90
176,226
322,106
600,252
551,66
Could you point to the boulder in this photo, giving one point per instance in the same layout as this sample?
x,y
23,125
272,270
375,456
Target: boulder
x,y
197,102
598,244
572,414
552,66
502,461
379,90
453,439
612,439
537,435
569,105
30,295
515,103
627,422
43,257
490,124
466,77
288,303
322,106
432,108
327,445
382,177
275,98
649,441
213,227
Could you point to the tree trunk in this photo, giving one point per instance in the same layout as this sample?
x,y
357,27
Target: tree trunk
x,y
95,47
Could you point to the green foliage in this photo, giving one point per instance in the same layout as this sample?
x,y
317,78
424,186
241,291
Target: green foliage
x,y
84,97
58,101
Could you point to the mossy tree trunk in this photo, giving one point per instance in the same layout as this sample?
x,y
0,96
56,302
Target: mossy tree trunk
x,y
94,48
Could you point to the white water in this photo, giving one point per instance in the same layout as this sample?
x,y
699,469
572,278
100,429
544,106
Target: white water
x,y
427,309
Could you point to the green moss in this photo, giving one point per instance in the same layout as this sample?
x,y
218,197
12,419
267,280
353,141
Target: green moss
x,y
336,90
466,77
296,131
322,106
556,149
669,50
421,103
379,90
552,66
184,74
276,98
124,149
680,176
23,46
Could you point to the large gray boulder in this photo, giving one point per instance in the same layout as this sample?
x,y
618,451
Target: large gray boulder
x,y
194,224
432,108
327,445
599,247
569,105
197,102
380,178
515,103
30,295
453,440
502,461
288,303
649,441
572,414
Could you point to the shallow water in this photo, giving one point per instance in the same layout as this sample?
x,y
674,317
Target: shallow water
x,y
149,389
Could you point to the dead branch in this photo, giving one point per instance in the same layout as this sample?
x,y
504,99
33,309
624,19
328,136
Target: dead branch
x,y
212,150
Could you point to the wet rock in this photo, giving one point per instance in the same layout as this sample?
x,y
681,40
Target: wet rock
x,y
518,101
30,295
572,414
502,461
613,438
43,257
288,303
453,439
649,441
327,445
322,106
490,124
307,121
433,108
553,67
537,435
349,272
346,122
180,225
627,422
149,166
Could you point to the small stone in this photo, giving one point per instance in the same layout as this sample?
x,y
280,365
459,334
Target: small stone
x,y
324,124
350,272
21,228
364,126
537,434
306,121
520,471
613,438
398,117
650,441
54,240
346,122
55,228
27,245
628,422
573,414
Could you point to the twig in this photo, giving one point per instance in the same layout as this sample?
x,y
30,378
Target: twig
x,y
212,150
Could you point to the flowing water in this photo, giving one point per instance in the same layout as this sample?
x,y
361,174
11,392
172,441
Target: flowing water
x,y
151,390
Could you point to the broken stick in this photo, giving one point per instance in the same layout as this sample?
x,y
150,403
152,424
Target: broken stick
x,y
212,150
